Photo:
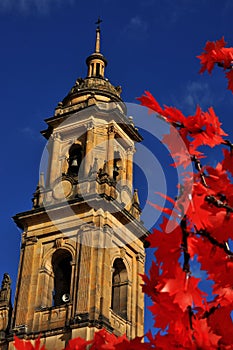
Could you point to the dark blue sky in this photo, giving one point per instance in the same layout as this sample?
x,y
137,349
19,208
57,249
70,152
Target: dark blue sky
x,y
150,45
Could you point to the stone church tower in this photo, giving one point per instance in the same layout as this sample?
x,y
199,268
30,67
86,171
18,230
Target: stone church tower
x,y
82,243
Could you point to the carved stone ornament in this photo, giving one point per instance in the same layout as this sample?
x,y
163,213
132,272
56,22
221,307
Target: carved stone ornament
x,y
140,257
111,129
62,189
122,252
5,292
90,125
59,242
4,319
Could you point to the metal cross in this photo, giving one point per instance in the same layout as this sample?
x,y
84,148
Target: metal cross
x,y
98,22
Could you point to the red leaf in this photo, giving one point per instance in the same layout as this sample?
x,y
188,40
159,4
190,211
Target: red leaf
x,y
179,146
134,344
227,162
185,290
168,245
174,115
204,128
205,339
216,52
149,101
151,282
21,344
165,311
221,323
208,57
78,344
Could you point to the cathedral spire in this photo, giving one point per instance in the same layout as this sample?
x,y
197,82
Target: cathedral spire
x,y
97,40
96,62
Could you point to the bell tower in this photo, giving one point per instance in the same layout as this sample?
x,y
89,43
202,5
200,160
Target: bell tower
x,y
82,242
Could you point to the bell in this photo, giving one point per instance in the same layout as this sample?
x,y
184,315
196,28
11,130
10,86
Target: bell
x,y
74,163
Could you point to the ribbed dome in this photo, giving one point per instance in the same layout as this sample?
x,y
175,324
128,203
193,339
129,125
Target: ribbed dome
x,y
99,88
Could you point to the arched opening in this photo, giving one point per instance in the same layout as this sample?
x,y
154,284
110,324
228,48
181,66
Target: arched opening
x,y
97,69
75,159
119,288
62,275
117,166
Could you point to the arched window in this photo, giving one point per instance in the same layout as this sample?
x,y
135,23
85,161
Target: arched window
x,y
75,159
62,275
119,288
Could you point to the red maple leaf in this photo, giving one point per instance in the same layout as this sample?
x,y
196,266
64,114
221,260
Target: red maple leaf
x,y
216,52
224,57
198,214
204,128
208,57
165,311
179,146
174,115
21,344
205,338
227,163
151,281
106,341
167,244
179,334
221,224
185,290
219,266
170,114
134,344
221,323
78,344
217,180
149,101
224,295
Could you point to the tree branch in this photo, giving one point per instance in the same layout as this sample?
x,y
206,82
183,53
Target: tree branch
x,y
198,167
218,203
214,241
184,244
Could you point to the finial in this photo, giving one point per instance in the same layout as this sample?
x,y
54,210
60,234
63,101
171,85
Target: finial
x,y
97,42
135,197
98,23
41,180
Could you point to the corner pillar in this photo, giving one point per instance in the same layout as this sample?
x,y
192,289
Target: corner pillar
x,y
111,137
129,166
54,148
89,147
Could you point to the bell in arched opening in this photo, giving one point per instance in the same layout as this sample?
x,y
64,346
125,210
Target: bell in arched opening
x,y
62,275
75,159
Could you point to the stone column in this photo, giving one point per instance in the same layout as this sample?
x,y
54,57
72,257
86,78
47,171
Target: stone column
x,y
89,147
129,167
54,169
140,298
123,171
110,158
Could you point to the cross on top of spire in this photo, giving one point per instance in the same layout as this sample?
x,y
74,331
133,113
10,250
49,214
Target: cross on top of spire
x,y
98,22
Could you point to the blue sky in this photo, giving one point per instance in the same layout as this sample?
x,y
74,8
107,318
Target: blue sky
x,y
150,45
